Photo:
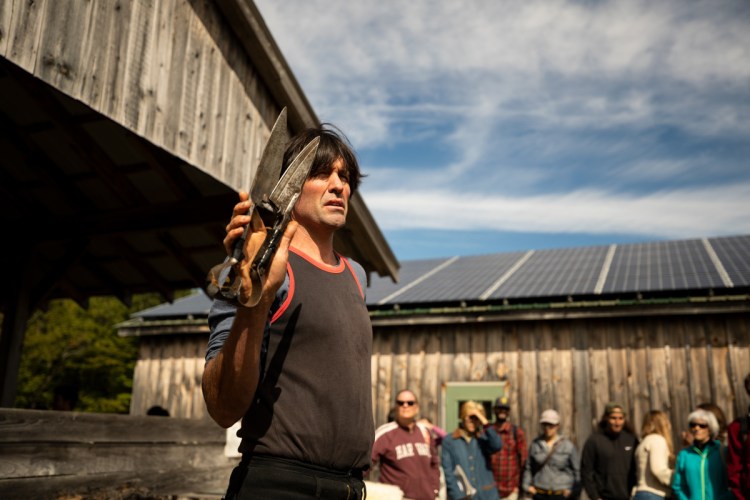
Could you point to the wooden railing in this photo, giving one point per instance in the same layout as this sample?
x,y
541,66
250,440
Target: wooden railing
x,y
50,454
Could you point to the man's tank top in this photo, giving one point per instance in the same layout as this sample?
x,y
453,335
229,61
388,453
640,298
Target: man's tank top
x,y
314,403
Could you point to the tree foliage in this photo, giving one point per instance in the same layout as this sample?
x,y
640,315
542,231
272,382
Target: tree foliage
x,y
73,359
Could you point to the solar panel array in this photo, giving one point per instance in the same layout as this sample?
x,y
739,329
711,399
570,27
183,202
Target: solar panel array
x,y
664,266
573,271
734,254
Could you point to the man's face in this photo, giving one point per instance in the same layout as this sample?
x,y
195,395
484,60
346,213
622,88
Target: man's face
x,y
616,421
502,413
407,407
324,200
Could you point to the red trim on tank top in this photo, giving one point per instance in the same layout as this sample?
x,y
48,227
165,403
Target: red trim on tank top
x,y
338,268
351,270
289,295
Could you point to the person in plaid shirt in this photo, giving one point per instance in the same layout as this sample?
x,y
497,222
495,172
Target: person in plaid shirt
x,y
508,463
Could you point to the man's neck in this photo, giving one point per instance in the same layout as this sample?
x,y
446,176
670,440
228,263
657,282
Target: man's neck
x,y
407,424
316,245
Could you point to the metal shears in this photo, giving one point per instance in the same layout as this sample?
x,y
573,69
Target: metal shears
x,y
273,196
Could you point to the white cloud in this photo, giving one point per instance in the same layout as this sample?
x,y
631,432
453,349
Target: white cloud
x,y
677,214
584,85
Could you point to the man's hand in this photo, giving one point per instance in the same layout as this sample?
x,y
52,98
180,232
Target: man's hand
x,y
256,236
476,414
240,218
566,493
532,490
273,280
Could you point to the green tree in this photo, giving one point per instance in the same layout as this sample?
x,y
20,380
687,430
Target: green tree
x,y
73,357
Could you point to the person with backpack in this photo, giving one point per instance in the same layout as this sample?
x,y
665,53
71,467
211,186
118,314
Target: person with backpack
x,y
508,463
552,468
738,453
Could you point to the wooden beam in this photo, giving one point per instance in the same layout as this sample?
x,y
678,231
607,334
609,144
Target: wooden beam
x,y
206,210
153,277
197,273
96,158
15,315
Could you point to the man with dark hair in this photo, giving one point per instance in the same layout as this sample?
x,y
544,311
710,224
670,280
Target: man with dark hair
x,y
608,458
508,463
295,367
738,453
406,452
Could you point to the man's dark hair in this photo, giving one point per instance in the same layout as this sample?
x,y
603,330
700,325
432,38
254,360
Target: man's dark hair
x,y
333,145
604,421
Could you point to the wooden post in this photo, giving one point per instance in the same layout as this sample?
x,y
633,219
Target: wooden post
x,y
17,311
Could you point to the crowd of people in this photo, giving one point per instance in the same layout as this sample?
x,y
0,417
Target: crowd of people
x,y
483,460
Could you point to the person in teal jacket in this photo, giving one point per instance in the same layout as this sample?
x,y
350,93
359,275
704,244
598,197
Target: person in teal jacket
x,y
467,456
701,472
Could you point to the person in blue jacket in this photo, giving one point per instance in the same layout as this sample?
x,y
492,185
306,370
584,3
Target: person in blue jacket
x,y
700,472
467,456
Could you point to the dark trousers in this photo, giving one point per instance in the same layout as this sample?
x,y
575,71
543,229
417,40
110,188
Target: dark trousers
x,y
261,477
548,497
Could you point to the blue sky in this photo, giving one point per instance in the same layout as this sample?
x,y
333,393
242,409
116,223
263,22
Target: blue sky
x,y
493,126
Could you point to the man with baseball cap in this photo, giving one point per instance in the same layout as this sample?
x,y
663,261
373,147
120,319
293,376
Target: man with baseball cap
x,y
507,464
552,469
608,458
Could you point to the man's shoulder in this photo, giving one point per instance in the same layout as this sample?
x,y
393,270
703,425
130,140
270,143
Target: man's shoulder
x,y
385,429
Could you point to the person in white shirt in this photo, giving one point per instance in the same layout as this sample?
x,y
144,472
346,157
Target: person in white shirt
x,y
654,458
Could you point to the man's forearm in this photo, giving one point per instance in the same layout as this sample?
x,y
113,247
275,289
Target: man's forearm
x,y
231,378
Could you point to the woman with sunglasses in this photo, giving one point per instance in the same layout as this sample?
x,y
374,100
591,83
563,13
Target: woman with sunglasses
x,y
700,472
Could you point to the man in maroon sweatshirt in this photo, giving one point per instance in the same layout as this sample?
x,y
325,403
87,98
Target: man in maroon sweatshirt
x,y
406,452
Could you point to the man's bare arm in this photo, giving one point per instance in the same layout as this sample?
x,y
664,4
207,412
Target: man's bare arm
x,y
231,378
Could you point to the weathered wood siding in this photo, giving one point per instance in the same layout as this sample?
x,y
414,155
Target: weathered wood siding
x,y
576,366
168,374
48,454
172,71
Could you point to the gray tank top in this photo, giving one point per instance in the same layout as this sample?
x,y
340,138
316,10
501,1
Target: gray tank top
x,y
314,402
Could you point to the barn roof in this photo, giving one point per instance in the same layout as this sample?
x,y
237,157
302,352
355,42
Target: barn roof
x,y
685,268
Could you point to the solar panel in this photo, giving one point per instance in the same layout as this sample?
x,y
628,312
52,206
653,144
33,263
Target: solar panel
x,y
462,279
561,272
381,287
465,279
734,254
664,265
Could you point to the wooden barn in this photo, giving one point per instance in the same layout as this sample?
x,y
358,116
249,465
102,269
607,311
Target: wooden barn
x,y
661,325
127,128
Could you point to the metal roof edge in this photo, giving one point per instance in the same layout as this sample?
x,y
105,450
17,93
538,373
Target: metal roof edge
x,y
562,310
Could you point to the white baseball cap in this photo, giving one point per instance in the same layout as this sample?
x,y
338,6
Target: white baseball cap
x,y
550,417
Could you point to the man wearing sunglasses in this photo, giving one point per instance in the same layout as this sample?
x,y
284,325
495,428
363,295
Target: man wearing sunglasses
x,y
406,452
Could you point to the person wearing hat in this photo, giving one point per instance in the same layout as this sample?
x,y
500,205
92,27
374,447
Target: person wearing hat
x,y
551,470
467,455
608,458
508,463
